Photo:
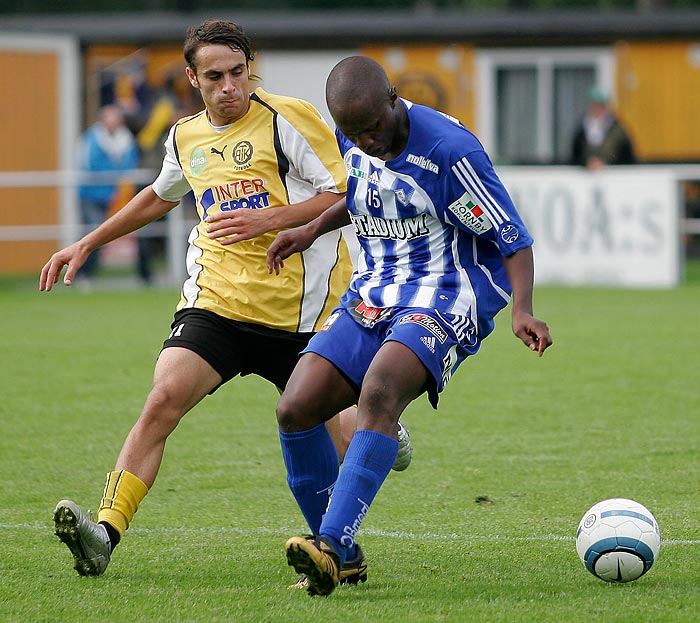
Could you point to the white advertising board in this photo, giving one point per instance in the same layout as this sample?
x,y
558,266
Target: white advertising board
x,y
299,74
616,227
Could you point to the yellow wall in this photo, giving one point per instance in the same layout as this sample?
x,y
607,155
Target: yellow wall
x,y
28,142
658,87
435,75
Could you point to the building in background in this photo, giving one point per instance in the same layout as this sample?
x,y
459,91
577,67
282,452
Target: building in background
x,y
518,79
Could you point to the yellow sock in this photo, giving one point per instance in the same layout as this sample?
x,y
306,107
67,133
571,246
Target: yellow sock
x,y
120,501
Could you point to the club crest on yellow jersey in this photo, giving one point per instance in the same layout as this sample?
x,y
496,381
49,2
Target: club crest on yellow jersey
x,y
242,155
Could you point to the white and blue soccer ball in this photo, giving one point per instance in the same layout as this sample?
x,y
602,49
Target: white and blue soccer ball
x,y
618,540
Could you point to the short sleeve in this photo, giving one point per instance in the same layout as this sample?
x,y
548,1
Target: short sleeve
x,y
171,184
478,203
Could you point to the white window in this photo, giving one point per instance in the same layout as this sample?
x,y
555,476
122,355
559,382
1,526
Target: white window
x,y
530,100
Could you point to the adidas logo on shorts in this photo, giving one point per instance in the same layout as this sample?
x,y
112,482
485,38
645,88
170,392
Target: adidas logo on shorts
x,y
429,343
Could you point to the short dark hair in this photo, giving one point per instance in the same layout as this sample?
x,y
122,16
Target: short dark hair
x,y
216,31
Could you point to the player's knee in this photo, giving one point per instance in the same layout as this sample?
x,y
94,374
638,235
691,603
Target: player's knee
x,y
287,414
377,397
163,408
292,416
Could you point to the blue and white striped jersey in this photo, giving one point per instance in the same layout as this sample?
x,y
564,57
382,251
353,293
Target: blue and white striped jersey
x,y
433,223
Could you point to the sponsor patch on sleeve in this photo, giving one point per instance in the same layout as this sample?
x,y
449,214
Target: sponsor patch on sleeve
x,y
470,214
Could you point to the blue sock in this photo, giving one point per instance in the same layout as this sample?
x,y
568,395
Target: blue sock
x,y
312,468
367,463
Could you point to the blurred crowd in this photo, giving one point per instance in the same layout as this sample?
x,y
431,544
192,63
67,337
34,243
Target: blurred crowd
x,y
128,133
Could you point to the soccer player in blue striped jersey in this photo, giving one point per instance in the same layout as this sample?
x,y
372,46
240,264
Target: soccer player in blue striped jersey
x,y
443,250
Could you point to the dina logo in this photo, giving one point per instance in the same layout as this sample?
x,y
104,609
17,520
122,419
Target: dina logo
x,y
242,153
198,162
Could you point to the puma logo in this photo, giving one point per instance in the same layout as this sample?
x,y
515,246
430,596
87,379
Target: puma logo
x,y
214,150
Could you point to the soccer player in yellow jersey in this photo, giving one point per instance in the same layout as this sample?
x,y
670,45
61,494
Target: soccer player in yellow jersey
x,y
257,163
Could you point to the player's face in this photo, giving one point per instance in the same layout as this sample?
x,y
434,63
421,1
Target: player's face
x,y
223,79
375,130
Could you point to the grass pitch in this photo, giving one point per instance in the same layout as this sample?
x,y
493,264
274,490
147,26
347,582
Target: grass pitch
x,y
479,528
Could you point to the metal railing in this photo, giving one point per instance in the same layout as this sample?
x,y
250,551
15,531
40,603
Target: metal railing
x,y
174,228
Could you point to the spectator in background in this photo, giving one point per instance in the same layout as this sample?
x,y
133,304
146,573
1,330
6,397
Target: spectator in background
x,y
600,138
691,194
163,112
107,146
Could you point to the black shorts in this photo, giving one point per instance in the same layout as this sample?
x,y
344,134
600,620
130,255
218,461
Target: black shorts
x,y
234,348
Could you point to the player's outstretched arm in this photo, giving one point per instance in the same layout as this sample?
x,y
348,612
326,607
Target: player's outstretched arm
x,y
533,332
246,223
299,239
144,208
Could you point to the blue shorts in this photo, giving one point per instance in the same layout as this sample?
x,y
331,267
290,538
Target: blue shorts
x,y
351,337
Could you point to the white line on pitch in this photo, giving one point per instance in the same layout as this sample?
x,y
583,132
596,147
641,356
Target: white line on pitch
x,y
409,536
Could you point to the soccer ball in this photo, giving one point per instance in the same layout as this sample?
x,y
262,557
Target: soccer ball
x,y
618,540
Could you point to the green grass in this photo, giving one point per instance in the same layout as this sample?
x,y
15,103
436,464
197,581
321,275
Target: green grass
x,y
611,410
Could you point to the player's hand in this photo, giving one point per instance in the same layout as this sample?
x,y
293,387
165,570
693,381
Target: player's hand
x,y
236,225
73,256
288,243
534,333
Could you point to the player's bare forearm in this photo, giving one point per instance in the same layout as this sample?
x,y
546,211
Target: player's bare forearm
x,y
520,269
246,223
533,332
144,208
333,218
299,239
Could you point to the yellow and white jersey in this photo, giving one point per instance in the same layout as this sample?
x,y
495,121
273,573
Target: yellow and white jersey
x,y
281,152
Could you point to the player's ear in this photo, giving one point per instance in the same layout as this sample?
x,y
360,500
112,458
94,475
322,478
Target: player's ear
x,y
192,77
392,94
